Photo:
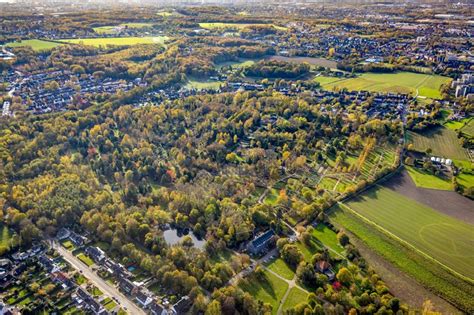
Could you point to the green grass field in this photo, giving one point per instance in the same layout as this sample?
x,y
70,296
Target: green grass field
x,y
295,297
242,63
110,29
327,237
35,44
117,41
469,127
67,244
5,236
280,267
426,180
399,82
445,239
200,84
85,259
442,141
218,25
269,290
425,271
466,180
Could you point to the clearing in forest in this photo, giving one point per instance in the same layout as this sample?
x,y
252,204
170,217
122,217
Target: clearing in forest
x,y
35,44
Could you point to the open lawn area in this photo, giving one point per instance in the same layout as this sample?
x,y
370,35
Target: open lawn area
x,y
270,289
295,297
5,236
427,180
398,82
203,84
280,267
85,259
67,244
442,141
447,240
117,41
328,237
35,44
469,127
211,26
241,63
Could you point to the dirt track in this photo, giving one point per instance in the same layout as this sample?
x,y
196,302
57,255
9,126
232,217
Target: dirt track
x,y
447,202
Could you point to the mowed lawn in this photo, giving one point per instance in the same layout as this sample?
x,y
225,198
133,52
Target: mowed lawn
x,y
117,41
328,237
270,290
295,297
280,267
398,82
448,240
427,180
442,141
35,44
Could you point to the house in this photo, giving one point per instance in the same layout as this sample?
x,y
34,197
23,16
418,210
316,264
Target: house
x,y
63,234
87,302
261,243
76,239
157,309
324,267
95,253
183,305
143,300
128,287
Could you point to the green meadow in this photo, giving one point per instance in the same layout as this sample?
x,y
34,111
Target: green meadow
x,y
427,180
398,82
35,44
117,41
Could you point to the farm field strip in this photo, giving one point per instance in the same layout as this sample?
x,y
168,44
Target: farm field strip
x,y
448,241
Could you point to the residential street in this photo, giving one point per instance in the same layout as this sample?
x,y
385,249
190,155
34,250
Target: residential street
x,y
100,283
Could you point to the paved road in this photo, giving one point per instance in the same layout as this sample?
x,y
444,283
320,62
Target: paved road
x,y
103,285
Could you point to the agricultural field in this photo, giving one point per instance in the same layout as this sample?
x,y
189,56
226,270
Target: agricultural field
x,y
427,180
35,44
399,82
117,41
443,238
442,141
212,26
425,271
270,289
110,29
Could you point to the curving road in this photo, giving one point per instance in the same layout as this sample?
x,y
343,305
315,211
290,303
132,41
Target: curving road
x,y
103,285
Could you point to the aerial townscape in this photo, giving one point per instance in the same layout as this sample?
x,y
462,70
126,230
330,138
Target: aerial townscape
x,y
239,157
